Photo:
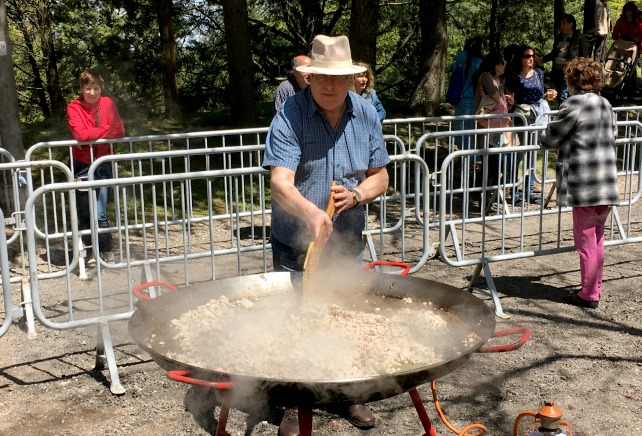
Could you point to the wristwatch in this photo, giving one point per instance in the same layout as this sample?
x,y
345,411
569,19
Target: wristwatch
x,y
356,198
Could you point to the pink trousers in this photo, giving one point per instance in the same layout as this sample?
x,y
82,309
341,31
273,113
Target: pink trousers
x,y
588,234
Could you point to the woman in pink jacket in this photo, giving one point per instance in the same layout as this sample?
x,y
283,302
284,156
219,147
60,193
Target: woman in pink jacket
x,y
93,116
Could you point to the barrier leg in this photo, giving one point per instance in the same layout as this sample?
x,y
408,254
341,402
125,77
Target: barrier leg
x,y
492,289
549,196
371,247
105,353
27,305
474,278
146,276
82,269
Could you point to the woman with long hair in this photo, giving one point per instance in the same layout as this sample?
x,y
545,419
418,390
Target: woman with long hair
x,y
526,83
487,81
364,86
490,91
626,27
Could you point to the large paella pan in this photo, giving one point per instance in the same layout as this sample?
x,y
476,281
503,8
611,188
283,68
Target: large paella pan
x,y
150,328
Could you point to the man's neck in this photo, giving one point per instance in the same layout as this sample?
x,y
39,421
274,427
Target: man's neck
x,y
334,116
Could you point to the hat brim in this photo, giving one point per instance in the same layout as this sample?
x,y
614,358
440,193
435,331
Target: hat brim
x,y
353,69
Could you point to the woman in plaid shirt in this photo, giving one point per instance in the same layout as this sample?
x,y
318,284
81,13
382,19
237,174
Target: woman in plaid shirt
x,y
584,131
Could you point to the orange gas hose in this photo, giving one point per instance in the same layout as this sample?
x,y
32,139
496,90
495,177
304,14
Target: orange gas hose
x,y
465,430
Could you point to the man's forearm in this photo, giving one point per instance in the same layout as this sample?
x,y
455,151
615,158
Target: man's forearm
x,y
374,185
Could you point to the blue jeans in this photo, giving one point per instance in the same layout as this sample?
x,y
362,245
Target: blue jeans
x,y
103,172
286,258
101,204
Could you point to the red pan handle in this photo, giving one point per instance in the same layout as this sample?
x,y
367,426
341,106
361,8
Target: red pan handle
x,y
183,376
405,266
137,289
524,331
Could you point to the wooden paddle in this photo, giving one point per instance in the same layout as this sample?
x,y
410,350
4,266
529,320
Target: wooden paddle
x,y
315,248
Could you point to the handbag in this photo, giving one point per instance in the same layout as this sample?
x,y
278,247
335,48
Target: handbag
x,y
486,105
523,109
489,106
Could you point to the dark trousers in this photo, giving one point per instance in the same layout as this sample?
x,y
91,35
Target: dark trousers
x,y
600,48
104,171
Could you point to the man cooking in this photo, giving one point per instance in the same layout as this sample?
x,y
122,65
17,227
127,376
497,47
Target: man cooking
x,y
323,134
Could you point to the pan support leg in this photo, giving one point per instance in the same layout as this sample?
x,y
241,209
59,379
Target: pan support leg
x,y
491,290
305,421
421,412
105,353
222,417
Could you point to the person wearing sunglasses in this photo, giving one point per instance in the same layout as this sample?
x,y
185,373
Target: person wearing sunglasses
x,y
569,44
526,83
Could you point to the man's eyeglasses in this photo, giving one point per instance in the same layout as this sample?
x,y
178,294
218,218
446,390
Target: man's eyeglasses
x,y
527,56
326,77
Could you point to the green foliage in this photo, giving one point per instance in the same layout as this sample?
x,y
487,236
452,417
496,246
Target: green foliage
x,y
121,39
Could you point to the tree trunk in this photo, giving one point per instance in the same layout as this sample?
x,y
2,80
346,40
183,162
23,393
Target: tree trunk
x,y
20,19
58,104
10,133
434,44
589,16
241,87
558,11
363,31
493,42
164,11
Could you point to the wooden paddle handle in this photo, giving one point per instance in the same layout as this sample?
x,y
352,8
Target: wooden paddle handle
x,y
330,211
324,229
312,252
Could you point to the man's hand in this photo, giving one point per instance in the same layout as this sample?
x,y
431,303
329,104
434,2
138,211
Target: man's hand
x,y
342,198
315,219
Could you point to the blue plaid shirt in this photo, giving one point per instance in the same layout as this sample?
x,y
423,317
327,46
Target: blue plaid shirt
x,y
302,139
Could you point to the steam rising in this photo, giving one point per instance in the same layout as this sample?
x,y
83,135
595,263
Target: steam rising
x,y
338,331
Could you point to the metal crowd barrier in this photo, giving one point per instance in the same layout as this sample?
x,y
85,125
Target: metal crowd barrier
x,y
477,235
147,162
185,249
167,225
411,129
4,279
66,302
50,226
11,183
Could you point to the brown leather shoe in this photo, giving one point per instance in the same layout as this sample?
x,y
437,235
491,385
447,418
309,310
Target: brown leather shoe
x,y
360,416
289,423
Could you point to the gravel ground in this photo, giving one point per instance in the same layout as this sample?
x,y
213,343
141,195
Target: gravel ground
x,y
587,361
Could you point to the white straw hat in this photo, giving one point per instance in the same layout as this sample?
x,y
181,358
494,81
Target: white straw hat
x,y
331,56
